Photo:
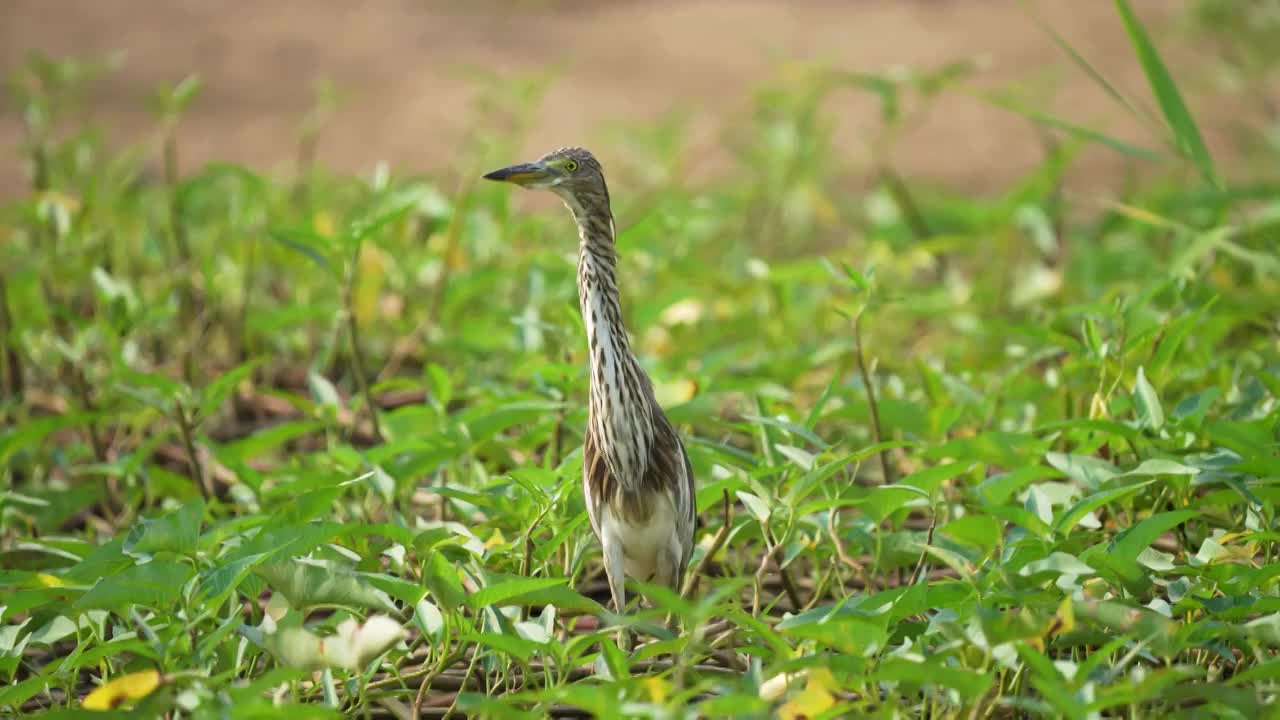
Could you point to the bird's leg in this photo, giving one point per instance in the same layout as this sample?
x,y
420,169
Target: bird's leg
x,y
669,575
615,570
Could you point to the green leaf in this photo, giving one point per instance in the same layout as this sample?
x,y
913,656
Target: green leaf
x,y
1128,544
391,208
156,584
216,393
218,582
1068,519
176,532
850,633
306,585
1088,472
1145,399
934,673
755,505
306,243
33,432
997,489
15,694
930,478
981,531
1079,131
509,590
442,580
1159,466
1186,133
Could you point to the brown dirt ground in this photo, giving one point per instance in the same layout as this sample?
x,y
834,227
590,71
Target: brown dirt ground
x,y
403,66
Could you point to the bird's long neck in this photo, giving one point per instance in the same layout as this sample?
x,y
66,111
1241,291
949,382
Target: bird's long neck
x,y
620,411
598,284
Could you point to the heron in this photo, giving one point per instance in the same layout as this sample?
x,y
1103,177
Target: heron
x,y
636,477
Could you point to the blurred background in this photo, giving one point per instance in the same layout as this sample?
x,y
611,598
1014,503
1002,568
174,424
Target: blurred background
x,y
404,81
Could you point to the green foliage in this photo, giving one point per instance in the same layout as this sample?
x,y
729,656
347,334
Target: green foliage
x,y
312,448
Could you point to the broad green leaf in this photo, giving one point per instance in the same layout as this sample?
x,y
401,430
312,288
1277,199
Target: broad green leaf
x,y
509,590
930,673
1160,466
176,532
1129,543
1068,519
1089,472
307,585
755,505
981,531
997,489
930,478
155,584
1147,401
221,580
442,580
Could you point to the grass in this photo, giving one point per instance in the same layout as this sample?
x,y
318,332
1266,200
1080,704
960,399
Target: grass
x,y
311,447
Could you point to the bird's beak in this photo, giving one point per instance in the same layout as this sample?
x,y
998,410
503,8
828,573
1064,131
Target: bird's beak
x,y
524,174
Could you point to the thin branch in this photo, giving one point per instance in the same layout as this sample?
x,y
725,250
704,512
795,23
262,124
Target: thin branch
x,y
924,551
876,433
759,579
694,575
193,459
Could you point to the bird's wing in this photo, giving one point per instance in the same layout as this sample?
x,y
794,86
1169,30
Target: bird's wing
x,y
669,472
686,510
595,478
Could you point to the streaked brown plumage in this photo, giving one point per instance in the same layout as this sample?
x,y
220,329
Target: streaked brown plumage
x,y
635,471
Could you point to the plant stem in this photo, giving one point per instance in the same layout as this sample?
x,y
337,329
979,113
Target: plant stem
x,y
193,460
876,433
10,360
353,333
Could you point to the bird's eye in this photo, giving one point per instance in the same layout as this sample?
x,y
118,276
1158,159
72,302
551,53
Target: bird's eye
x,y
571,165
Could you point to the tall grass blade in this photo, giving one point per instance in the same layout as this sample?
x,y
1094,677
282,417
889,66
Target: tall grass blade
x,y
1136,108
1079,131
1185,131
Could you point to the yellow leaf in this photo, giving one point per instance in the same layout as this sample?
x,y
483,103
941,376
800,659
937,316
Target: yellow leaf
x,y
47,580
373,265
821,677
324,224
674,393
1065,621
815,699
133,686
495,540
809,703
657,690
1098,407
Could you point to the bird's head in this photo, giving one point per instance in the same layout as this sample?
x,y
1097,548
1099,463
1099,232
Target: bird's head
x,y
572,173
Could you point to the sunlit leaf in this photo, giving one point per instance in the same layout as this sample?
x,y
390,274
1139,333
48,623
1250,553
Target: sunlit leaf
x,y
123,689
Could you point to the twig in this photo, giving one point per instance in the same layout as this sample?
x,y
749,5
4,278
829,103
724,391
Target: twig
x,y
197,470
759,578
784,575
924,551
112,499
843,555
876,433
722,535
